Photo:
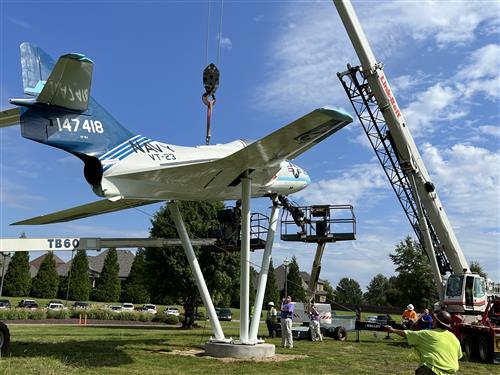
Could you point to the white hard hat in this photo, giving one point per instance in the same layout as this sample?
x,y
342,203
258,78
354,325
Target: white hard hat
x,y
270,304
410,307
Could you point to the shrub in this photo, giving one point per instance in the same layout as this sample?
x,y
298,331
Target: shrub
x,y
37,314
167,319
13,314
58,314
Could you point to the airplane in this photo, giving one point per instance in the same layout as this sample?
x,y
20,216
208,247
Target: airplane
x,y
129,169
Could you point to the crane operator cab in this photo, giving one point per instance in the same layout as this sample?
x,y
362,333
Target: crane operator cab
x,y
465,293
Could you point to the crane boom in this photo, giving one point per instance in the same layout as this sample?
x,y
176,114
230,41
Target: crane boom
x,y
406,151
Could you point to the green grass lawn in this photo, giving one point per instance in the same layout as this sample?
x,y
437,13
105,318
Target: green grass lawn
x,y
39,349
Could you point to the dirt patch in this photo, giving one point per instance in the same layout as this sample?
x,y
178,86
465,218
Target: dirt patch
x,y
201,353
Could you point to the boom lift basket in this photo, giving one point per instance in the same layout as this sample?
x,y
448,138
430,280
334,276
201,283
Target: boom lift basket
x,y
323,223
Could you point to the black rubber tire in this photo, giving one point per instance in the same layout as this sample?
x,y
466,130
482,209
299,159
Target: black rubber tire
x,y
4,336
340,333
483,349
468,347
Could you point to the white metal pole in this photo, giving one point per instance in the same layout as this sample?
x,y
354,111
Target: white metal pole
x,y
266,259
195,268
245,258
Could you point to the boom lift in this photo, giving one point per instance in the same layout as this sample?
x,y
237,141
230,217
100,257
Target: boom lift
x,y
379,114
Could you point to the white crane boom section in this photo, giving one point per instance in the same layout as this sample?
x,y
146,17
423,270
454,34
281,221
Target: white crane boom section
x,y
407,151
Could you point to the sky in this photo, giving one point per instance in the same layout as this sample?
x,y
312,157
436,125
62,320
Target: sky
x,y
278,61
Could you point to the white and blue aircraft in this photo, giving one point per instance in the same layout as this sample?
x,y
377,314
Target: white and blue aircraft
x,y
129,169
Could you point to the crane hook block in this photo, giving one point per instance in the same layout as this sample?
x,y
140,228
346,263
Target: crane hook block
x,y
211,79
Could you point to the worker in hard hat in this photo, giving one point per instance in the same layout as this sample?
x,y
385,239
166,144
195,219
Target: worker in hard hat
x,y
409,316
271,319
438,348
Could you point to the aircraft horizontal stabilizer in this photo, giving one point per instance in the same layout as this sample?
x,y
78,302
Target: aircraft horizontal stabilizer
x,y
9,117
69,83
86,210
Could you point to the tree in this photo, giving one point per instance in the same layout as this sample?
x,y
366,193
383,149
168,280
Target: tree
x,y
294,283
376,294
134,288
46,282
169,275
17,278
330,292
392,293
79,283
272,292
415,280
476,267
348,291
108,286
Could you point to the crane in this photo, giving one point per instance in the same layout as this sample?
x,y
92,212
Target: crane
x,y
382,119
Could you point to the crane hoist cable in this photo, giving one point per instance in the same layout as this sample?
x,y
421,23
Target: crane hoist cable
x,y
211,73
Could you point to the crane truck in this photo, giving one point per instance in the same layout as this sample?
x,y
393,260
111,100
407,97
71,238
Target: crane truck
x,y
464,293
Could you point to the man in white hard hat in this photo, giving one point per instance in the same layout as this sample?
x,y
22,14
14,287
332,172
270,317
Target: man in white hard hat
x,y
409,316
271,319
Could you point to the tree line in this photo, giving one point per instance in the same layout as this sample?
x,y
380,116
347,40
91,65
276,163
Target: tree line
x,y
163,275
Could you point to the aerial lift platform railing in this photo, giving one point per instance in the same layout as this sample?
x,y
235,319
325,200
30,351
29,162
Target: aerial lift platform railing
x,y
323,223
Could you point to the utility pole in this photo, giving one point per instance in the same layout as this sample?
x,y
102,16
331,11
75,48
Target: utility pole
x,y
286,262
3,273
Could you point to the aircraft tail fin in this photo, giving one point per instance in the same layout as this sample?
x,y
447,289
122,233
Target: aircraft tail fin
x,y
36,68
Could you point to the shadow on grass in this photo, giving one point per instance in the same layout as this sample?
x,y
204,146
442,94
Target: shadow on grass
x,y
86,353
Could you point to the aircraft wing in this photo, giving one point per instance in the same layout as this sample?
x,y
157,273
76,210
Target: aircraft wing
x,y
90,209
9,117
262,158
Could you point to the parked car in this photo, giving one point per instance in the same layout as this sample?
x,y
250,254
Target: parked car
x,y
28,304
55,301
4,304
224,313
56,306
150,308
81,305
128,306
116,308
171,311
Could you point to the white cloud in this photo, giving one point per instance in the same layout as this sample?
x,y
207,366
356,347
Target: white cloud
x,y
17,196
482,73
225,42
20,23
490,130
305,58
468,180
436,104
362,182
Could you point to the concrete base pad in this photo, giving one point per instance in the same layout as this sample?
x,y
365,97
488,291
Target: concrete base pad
x,y
222,350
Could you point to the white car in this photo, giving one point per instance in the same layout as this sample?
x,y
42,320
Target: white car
x,y
56,306
128,306
116,308
150,308
171,311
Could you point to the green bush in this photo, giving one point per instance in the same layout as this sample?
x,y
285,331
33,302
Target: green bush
x,y
101,314
58,314
167,319
37,314
13,314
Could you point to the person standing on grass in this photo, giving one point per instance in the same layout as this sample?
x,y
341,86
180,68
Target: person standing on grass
x,y
425,321
287,308
271,319
438,348
314,326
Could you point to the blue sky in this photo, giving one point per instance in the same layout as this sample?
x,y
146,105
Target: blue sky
x,y
278,62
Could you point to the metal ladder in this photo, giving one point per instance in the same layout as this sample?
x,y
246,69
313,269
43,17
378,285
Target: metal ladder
x,y
370,116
